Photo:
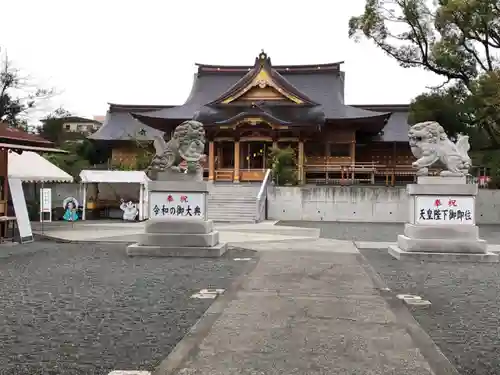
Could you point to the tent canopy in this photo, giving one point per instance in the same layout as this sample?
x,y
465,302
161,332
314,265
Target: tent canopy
x,y
32,167
114,177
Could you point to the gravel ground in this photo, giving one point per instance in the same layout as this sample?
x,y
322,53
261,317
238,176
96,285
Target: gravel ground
x,y
89,309
464,319
377,232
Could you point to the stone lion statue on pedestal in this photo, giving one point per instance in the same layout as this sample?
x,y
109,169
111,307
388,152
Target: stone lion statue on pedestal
x,y
430,144
183,153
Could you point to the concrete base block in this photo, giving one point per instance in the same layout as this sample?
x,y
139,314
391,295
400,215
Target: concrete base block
x,y
442,245
400,254
442,189
458,232
167,251
174,176
179,239
440,180
167,225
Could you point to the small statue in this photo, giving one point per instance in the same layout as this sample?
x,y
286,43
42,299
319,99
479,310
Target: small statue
x,y
129,209
70,205
430,144
183,153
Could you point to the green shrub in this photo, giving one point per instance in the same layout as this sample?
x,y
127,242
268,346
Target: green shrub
x,y
283,164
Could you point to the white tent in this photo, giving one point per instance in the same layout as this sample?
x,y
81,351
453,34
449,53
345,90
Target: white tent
x,y
32,167
117,177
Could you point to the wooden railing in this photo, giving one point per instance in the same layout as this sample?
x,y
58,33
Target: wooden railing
x,y
353,173
343,173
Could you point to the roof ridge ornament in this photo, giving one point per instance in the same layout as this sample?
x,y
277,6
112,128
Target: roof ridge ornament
x,y
262,57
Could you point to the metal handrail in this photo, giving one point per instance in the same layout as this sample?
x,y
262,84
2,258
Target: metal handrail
x,y
262,197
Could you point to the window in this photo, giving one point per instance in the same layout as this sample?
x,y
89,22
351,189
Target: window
x,y
314,148
340,149
67,126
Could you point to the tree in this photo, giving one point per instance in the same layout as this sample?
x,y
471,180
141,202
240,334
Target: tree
x,y
18,95
82,153
283,163
457,39
72,163
52,126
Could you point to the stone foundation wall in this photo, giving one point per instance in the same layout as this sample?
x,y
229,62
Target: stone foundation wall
x,y
359,204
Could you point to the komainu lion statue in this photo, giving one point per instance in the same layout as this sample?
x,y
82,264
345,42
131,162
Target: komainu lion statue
x,y
430,144
183,152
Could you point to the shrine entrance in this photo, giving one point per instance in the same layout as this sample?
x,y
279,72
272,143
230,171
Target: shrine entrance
x,y
254,156
224,161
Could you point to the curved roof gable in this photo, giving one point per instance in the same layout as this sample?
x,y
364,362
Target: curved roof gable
x,y
263,75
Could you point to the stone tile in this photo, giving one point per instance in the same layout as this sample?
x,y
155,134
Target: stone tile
x,y
367,309
304,244
312,347
373,245
304,277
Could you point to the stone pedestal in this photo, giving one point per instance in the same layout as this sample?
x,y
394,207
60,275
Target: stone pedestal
x,y
442,222
178,224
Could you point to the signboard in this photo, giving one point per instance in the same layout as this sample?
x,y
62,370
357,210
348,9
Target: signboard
x,y
177,205
45,204
20,209
444,210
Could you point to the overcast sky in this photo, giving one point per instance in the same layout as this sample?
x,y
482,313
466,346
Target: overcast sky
x,y
143,52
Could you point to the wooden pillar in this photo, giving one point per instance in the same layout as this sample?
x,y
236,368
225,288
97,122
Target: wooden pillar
x,y
353,159
275,144
211,161
220,157
4,168
4,171
236,161
301,162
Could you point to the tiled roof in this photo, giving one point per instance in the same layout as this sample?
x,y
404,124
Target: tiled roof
x,y
120,125
19,136
321,83
396,129
324,86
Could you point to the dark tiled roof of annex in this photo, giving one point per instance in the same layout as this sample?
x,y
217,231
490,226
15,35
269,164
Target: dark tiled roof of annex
x,y
119,125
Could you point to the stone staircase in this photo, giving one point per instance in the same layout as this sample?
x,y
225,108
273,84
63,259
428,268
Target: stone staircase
x,y
228,202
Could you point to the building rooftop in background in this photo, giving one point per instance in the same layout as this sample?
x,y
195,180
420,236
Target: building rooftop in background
x,y
77,124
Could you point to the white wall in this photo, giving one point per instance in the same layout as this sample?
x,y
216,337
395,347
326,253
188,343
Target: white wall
x,y
359,204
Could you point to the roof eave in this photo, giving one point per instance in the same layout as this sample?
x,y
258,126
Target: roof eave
x,y
45,150
248,114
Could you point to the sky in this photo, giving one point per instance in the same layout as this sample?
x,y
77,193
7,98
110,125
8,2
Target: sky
x,y
96,52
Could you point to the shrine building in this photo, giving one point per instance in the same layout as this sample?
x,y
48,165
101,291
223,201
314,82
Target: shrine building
x,y
247,110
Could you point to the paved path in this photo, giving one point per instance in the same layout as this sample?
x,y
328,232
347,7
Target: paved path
x,y
233,234
306,312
